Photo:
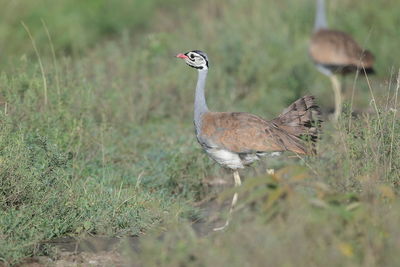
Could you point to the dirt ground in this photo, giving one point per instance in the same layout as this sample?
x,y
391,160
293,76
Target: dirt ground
x,y
106,251
88,251
104,258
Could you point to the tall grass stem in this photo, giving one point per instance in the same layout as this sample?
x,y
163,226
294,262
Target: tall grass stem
x,y
40,62
53,53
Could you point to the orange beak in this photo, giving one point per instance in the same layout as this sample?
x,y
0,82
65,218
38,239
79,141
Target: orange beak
x,y
180,55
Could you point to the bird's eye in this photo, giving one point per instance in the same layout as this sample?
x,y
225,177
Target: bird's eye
x,y
191,56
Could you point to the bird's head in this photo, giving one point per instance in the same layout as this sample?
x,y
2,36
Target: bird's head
x,y
195,59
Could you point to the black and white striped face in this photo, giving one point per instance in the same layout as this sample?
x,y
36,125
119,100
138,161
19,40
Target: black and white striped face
x,y
195,59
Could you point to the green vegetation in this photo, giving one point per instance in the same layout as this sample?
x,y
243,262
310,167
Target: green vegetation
x,y
99,139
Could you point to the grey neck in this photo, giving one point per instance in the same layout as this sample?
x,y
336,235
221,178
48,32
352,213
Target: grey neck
x,y
320,17
200,105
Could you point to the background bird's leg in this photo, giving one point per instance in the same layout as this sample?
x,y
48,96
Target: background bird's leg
x,y
238,182
338,96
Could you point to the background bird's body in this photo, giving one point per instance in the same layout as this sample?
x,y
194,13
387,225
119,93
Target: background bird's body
x,y
339,52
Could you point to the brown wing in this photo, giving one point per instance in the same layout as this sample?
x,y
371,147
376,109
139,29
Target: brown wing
x,y
302,118
247,133
331,47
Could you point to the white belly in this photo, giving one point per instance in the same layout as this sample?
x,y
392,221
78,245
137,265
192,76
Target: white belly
x,y
233,160
225,158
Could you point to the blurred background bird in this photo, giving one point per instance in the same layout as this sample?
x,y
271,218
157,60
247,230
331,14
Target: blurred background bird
x,y
335,52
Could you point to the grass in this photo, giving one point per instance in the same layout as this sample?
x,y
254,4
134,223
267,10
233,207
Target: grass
x,y
340,208
97,138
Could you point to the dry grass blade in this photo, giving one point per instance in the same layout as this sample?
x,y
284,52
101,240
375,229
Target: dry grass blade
x,y
40,62
373,99
394,120
53,53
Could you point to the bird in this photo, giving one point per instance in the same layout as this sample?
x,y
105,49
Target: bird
x,y
335,52
237,139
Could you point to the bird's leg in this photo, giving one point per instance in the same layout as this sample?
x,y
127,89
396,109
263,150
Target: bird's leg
x,y
338,96
238,182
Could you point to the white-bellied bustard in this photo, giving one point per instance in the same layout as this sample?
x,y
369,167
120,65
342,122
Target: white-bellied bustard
x,y
236,139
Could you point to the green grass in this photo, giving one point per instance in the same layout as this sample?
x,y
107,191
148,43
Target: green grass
x,y
112,151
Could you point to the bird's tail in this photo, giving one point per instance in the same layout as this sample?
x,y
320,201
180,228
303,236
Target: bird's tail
x,y
301,119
